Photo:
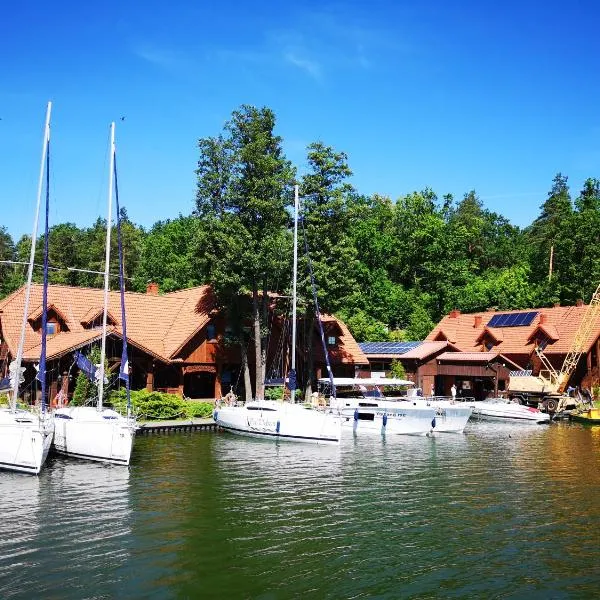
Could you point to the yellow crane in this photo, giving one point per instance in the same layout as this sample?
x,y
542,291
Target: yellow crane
x,y
561,378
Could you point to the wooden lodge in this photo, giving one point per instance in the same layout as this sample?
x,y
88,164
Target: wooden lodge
x,y
177,341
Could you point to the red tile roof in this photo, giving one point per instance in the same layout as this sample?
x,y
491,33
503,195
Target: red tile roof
x,y
560,324
425,350
160,325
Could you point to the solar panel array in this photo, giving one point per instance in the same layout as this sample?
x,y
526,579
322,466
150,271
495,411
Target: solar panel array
x,y
512,319
387,347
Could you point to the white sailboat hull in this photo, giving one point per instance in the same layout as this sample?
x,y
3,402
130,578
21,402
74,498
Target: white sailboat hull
x,y
280,421
503,410
86,433
25,440
386,417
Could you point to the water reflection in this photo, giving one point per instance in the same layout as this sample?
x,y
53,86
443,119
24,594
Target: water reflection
x,y
501,511
65,530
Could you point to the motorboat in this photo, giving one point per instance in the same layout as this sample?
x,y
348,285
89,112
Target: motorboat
x,y
591,416
364,408
277,420
501,409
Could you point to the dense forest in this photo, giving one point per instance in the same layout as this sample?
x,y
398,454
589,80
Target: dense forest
x,y
388,267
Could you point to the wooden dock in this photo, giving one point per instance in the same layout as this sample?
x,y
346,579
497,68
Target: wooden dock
x,y
164,427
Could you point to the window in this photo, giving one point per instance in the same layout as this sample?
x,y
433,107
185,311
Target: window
x,y
331,340
489,344
51,329
211,332
542,342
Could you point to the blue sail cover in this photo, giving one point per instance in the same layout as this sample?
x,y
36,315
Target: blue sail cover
x,y
124,370
86,366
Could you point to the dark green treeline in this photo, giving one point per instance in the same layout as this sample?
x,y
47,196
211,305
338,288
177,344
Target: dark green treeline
x,y
388,267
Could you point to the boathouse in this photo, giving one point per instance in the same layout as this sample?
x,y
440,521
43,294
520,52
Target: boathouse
x,y
177,341
509,340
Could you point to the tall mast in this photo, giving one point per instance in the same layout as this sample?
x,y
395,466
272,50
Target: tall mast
x,y
107,263
19,357
296,205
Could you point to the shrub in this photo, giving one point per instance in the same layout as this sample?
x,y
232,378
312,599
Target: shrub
x,y
155,406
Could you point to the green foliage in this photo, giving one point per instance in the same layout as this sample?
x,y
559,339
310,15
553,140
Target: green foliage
x,y
274,393
363,327
419,325
155,406
397,370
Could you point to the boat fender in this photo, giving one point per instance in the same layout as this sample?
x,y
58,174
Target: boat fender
x,y
433,423
216,415
278,426
384,419
356,414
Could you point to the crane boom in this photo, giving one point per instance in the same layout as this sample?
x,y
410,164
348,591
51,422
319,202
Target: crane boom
x,y
582,335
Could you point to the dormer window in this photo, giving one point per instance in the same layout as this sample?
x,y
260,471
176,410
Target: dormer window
x,y
489,344
55,323
93,318
541,341
331,340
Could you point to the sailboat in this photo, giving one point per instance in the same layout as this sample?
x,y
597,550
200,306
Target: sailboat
x,y
96,432
277,420
26,436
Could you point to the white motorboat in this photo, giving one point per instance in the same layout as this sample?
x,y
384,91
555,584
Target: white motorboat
x,y
284,421
365,409
26,435
501,409
86,432
281,421
96,432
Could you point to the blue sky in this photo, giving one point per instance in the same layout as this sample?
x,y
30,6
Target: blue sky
x,y
492,96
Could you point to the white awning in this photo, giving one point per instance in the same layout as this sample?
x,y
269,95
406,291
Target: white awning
x,y
366,381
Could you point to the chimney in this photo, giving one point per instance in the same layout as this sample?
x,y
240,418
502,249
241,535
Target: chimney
x,y
557,305
477,321
579,302
152,289
454,313
543,318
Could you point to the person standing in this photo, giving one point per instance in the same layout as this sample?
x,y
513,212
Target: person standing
x,y
453,392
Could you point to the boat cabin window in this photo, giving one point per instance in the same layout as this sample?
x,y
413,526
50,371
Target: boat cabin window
x,y
366,416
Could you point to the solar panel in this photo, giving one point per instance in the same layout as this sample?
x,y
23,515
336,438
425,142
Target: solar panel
x,y
512,319
387,347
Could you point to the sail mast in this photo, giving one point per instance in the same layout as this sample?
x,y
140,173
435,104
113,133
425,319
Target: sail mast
x,y
19,357
42,370
296,203
106,265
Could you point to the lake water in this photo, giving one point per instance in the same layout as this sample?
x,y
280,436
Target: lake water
x,y
499,512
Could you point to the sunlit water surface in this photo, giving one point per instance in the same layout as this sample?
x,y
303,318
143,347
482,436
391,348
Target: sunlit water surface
x,y
499,512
